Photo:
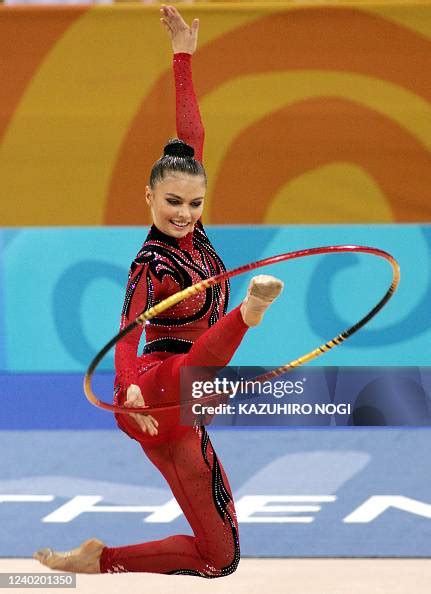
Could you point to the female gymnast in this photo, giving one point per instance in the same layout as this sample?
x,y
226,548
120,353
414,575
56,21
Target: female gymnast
x,y
196,332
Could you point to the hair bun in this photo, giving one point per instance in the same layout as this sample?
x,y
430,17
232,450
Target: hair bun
x,y
178,148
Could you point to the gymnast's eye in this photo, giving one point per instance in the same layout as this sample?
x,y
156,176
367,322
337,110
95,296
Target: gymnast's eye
x,y
196,204
173,201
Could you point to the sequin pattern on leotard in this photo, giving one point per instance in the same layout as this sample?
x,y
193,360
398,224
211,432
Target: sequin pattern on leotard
x,y
163,266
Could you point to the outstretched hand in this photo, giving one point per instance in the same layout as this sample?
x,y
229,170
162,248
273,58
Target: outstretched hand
x,y
184,38
136,400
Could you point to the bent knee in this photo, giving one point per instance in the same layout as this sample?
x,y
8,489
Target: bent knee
x,y
221,565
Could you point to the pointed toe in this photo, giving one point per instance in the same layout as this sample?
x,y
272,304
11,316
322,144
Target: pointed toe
x,y
42,554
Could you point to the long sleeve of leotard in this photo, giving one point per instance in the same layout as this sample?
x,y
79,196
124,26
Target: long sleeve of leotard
x,y
135,301
188,117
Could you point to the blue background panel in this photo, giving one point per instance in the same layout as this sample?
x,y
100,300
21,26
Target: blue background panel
x,y
63,289
377,396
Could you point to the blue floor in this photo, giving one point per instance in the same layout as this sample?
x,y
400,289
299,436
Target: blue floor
x,y
370,487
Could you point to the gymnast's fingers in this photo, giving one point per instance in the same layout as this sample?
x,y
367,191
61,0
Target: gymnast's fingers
x,y
147,423
166,25
151,428
153,420
174,18
140,421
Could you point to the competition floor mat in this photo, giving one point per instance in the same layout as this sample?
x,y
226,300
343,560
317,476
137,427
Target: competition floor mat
x,y
254,576
299,492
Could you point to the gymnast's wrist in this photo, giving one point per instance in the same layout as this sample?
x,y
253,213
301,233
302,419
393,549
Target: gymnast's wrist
x,y
182,55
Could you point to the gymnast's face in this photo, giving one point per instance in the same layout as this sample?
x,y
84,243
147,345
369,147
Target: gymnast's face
x,y
176,203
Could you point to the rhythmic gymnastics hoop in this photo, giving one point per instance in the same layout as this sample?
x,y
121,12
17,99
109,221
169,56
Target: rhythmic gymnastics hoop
x,y
219,278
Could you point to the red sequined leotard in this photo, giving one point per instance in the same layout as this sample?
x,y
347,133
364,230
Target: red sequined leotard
x,y
165,265
193,333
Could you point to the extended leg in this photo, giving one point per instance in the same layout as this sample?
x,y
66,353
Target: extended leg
x,y
200,486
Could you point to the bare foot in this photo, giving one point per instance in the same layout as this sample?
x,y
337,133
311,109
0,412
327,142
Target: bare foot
x,y
262,291
84,559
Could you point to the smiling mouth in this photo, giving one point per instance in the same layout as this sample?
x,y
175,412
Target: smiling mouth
x,y
179,225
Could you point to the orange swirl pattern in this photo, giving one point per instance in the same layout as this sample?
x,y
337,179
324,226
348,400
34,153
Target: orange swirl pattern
x,y
23,54
313,114
346,133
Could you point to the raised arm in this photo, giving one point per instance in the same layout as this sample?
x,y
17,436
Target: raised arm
x,y
184,43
